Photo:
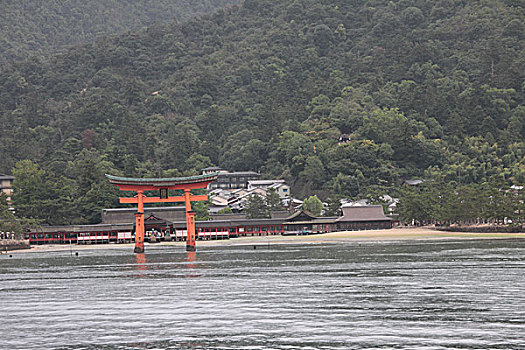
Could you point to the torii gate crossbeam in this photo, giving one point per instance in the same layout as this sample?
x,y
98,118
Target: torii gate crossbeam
x,y
162,185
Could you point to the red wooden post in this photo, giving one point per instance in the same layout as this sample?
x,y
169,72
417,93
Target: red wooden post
x,y
190,226
139,234
190,222
139,223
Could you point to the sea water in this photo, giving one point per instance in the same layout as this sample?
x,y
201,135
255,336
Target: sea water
x,y
467,294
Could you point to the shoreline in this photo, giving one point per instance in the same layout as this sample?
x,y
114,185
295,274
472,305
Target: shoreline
x,y
395,234
10,245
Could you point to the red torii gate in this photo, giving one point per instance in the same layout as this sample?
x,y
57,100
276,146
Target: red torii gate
x,y
163,185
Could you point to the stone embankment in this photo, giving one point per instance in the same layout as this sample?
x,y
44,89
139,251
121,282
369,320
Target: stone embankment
x,y
7,245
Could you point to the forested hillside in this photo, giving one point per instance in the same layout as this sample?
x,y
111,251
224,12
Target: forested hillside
x,y
418,88
44,28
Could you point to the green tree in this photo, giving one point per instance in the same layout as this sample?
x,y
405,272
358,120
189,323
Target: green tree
x,y
334,206
256,207
8,221
195,163
93,191
415,206
226,210
201,210
314,172
37,196
273,200
313,205
345,185
292,150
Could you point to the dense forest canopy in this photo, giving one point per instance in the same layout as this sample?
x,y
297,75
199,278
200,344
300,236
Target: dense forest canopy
x,y
413,88
43,28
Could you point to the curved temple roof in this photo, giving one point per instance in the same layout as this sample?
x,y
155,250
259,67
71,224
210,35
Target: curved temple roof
x,y
160,182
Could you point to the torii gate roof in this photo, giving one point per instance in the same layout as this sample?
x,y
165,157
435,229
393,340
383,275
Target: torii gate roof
x,y
162,182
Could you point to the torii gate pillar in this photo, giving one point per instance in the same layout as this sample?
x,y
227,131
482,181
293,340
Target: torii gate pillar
x,y
164,184
140,227
190,224
139,232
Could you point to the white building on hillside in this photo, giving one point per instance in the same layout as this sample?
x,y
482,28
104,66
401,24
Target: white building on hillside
x,y
280,186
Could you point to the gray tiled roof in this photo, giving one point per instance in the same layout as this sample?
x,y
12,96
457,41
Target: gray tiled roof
x,y
363,213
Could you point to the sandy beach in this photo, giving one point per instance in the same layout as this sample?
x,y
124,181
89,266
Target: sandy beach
x,y
396,234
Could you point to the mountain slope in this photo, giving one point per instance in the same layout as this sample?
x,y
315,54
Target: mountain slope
x,y
44,28
416,88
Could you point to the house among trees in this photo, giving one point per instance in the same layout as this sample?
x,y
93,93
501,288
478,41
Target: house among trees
x,y
6,186
238,199
280,186
213,169
413,182
233,190
230,180
343,139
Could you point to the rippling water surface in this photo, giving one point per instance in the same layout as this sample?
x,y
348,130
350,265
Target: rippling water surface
x,y
408,295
